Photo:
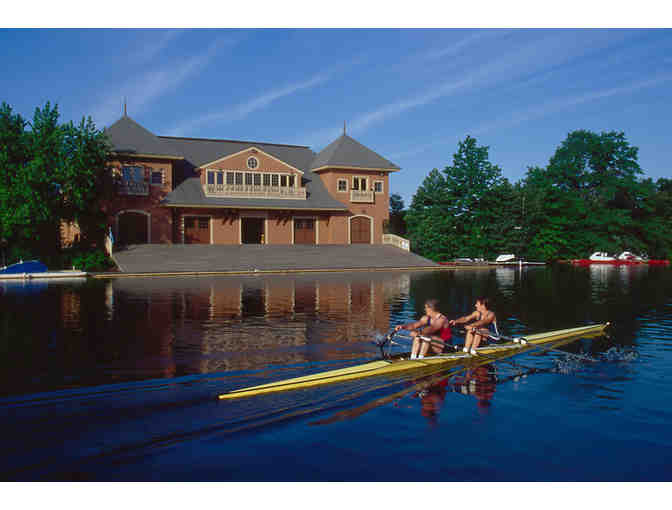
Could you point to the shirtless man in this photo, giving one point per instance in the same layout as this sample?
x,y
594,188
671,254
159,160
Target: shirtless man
x,y
434,325
484,324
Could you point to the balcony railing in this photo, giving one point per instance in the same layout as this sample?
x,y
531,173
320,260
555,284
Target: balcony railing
x,y
132,187
251,191
365,197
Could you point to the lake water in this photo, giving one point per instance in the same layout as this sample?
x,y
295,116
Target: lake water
x,y
118,379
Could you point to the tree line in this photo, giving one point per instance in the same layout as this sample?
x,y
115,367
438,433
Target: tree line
x,y
52,172
590,197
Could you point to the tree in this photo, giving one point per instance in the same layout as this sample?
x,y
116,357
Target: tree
x,y
586,197
455,212
397,224
48,174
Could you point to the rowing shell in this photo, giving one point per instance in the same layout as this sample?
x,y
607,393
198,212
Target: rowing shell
x,y
389,366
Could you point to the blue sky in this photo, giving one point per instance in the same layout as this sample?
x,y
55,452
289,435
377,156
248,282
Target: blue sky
x,y
408,94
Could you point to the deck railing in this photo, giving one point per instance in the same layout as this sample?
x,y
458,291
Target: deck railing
x,y
365,197
132,187
251,191
397,241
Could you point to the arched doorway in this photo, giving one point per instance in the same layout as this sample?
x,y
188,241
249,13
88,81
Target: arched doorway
x,y
132,228
360,230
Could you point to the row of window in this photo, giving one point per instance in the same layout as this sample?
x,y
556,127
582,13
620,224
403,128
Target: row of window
x,y
137,174
251,179
360,184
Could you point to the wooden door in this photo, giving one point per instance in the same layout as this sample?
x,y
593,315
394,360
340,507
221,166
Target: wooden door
x,y
132,228
196,230
360,230
304,231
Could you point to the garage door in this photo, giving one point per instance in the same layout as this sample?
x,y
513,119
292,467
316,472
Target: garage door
x,y
196,230
132,228
360,230
304,231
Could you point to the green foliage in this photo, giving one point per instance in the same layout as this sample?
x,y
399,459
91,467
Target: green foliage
x,y
396,224
50,173
86,260
589,197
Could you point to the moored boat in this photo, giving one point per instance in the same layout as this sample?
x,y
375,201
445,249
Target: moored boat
x,y
403,364
34,269
626,258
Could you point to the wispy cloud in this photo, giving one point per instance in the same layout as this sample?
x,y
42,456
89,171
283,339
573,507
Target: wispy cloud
x,y
562,104
532,58
150,85
159,40
464,43
540,111
242,110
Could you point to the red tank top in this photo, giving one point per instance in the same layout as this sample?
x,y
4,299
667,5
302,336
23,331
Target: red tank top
x,y
445,332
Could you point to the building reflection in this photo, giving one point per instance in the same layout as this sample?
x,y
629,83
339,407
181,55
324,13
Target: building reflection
x,y
204,325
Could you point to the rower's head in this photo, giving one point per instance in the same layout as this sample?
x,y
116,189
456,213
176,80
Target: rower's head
x,y
432,305
482,304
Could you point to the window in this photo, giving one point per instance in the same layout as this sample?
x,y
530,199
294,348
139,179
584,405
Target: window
x,y
220,178
133,173
342,185
229,178
291,181
283,181
257,179
275,179
359,183
189,222
157,177
252,163
267,179
378,186
239,178
211,177
203,223
248,179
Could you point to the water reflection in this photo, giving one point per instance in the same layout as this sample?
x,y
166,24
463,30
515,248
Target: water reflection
x,y
145,328
102,331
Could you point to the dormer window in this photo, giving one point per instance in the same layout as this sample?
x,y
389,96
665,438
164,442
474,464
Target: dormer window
x,y
342,185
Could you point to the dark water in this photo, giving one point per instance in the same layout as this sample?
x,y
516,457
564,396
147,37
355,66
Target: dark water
x,y
117,380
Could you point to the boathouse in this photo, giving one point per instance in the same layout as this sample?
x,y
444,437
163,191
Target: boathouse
x,y
210,191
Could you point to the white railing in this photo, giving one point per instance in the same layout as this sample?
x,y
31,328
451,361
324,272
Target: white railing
x,y
397,241
361,196
132,187
251,191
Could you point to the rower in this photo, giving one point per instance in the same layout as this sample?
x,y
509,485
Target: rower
x,y
435,331
484,325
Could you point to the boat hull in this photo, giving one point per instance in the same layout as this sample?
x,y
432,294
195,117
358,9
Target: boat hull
x,y
587,262
391,366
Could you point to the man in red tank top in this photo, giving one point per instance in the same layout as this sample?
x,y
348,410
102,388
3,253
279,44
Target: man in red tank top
x,y
434,326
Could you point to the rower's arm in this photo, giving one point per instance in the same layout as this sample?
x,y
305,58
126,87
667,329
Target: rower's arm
x,y
485,321
413,325
464,319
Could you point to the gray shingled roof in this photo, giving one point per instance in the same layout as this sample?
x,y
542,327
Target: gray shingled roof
x,y
128,136
201,151
346,151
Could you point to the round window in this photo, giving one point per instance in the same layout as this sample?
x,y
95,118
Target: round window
x,y
252,163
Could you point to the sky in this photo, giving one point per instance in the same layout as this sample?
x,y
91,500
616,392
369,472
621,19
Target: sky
x,y
409,94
